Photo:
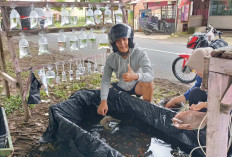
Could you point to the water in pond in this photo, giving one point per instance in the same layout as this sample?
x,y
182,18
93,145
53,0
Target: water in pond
x,y
132,138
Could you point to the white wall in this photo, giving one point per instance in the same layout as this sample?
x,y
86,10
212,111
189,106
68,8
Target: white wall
x,y
220,22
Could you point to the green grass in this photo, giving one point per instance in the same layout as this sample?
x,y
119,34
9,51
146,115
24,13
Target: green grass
x,y
13,103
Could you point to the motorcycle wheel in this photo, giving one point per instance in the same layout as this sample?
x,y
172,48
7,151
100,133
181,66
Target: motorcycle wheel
x,y
167,30
146,32
183,74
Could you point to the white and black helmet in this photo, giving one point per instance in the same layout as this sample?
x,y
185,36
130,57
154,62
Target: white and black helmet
x,y
121,31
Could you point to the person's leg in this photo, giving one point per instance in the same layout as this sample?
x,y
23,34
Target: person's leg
x,y
197,95
145,89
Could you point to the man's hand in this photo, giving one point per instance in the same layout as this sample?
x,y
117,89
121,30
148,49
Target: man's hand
x,y
189,120
102,108
130,75
198,107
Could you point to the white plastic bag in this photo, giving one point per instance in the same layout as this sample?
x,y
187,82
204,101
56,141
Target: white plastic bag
x,y
83,39
98,15
62,41
92,39
43,44
49,19
103,40
118,15
73,41
107,18
42,77
15,22
34,18
64,16
50,76
89,16
24,50
73,16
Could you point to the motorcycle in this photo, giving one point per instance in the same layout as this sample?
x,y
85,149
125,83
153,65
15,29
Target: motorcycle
x,y
184,73
150,27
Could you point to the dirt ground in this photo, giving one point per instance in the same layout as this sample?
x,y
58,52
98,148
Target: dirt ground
x,y
26,134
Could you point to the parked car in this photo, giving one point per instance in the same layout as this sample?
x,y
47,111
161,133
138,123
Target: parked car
x,y
24,13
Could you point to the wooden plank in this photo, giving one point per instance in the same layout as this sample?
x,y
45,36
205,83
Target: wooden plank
x,y
205,73
226,100
6,25
55,30
220,65
218,122
9,78
3,67
56,4
124,17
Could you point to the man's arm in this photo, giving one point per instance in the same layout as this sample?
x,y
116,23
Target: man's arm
x,y
147,73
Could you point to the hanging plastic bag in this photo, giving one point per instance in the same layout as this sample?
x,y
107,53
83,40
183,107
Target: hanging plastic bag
x,y
77,72
49,19
34,18
42,77
34,94
62,41
89,70
43,44
118,14
24,50
73,41
64,16
70,72
57,75
103,40
98,15
92,39
83,39
15,23
64,78
189,120
90,16
107,18
73,16
50,76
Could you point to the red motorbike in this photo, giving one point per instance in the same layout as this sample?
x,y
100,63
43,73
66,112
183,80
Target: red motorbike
x,y
184,73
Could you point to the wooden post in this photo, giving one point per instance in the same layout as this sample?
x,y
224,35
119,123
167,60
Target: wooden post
x,y
3,67
218,115
19,78
124,18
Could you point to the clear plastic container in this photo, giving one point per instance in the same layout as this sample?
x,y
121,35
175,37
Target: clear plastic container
x,y
92,39
34,18
98,15
70,72
24,50
83,39
107,18
118,15
73,42
49,19
90,16
43,44
62,41
103,40
89,70
95,68
78,74
64,78
50,76
15,23
73,16
57,75
65,15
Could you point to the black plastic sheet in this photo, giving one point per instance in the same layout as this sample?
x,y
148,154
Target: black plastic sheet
x,y
34,94
65,119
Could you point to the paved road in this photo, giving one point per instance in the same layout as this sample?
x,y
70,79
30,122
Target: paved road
x,y
162,53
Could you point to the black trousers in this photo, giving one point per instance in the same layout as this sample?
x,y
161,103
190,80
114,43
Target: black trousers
x,y
197,95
